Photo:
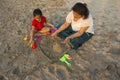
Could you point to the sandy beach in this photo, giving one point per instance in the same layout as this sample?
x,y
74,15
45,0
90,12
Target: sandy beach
x,y
97,59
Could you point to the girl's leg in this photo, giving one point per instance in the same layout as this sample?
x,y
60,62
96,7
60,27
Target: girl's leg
x,y
77,42
43,31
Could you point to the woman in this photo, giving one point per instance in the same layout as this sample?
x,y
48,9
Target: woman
x,y
78,27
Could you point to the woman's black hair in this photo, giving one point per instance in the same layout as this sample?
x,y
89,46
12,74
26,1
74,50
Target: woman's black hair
x,y
81,9
37,12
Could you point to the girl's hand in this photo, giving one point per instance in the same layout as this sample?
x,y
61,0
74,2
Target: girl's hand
x,y
30,41
54,27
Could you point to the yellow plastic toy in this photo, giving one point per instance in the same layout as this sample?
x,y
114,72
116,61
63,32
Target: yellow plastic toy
x,y
25,38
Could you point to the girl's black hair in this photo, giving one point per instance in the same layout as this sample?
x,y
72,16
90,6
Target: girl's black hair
x,y
37,12
81,9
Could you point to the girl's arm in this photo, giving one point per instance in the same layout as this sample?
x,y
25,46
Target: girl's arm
x,y
52,26
31,34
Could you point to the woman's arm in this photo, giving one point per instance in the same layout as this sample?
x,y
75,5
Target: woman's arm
x,y
79,33
63,27
75,35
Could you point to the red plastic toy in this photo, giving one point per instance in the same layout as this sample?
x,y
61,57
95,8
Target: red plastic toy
x,y
34,45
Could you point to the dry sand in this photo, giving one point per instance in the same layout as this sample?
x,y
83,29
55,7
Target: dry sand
x,y
97,59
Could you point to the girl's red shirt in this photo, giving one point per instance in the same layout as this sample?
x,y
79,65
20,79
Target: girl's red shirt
x,y
38,25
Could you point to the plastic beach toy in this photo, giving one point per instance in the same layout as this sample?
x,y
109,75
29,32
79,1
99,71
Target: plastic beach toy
x,y
31,44
57,25
25,37
67,56
38,39
34,46
64,59
52,30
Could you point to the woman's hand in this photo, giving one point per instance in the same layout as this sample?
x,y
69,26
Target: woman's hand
x,y
53,35
63,27
67,40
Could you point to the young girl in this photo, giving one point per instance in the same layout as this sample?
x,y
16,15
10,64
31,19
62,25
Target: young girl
x,y
81,28
38,28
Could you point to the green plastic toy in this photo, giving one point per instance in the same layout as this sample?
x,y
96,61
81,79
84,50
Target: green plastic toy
x,y
31,44
64,59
